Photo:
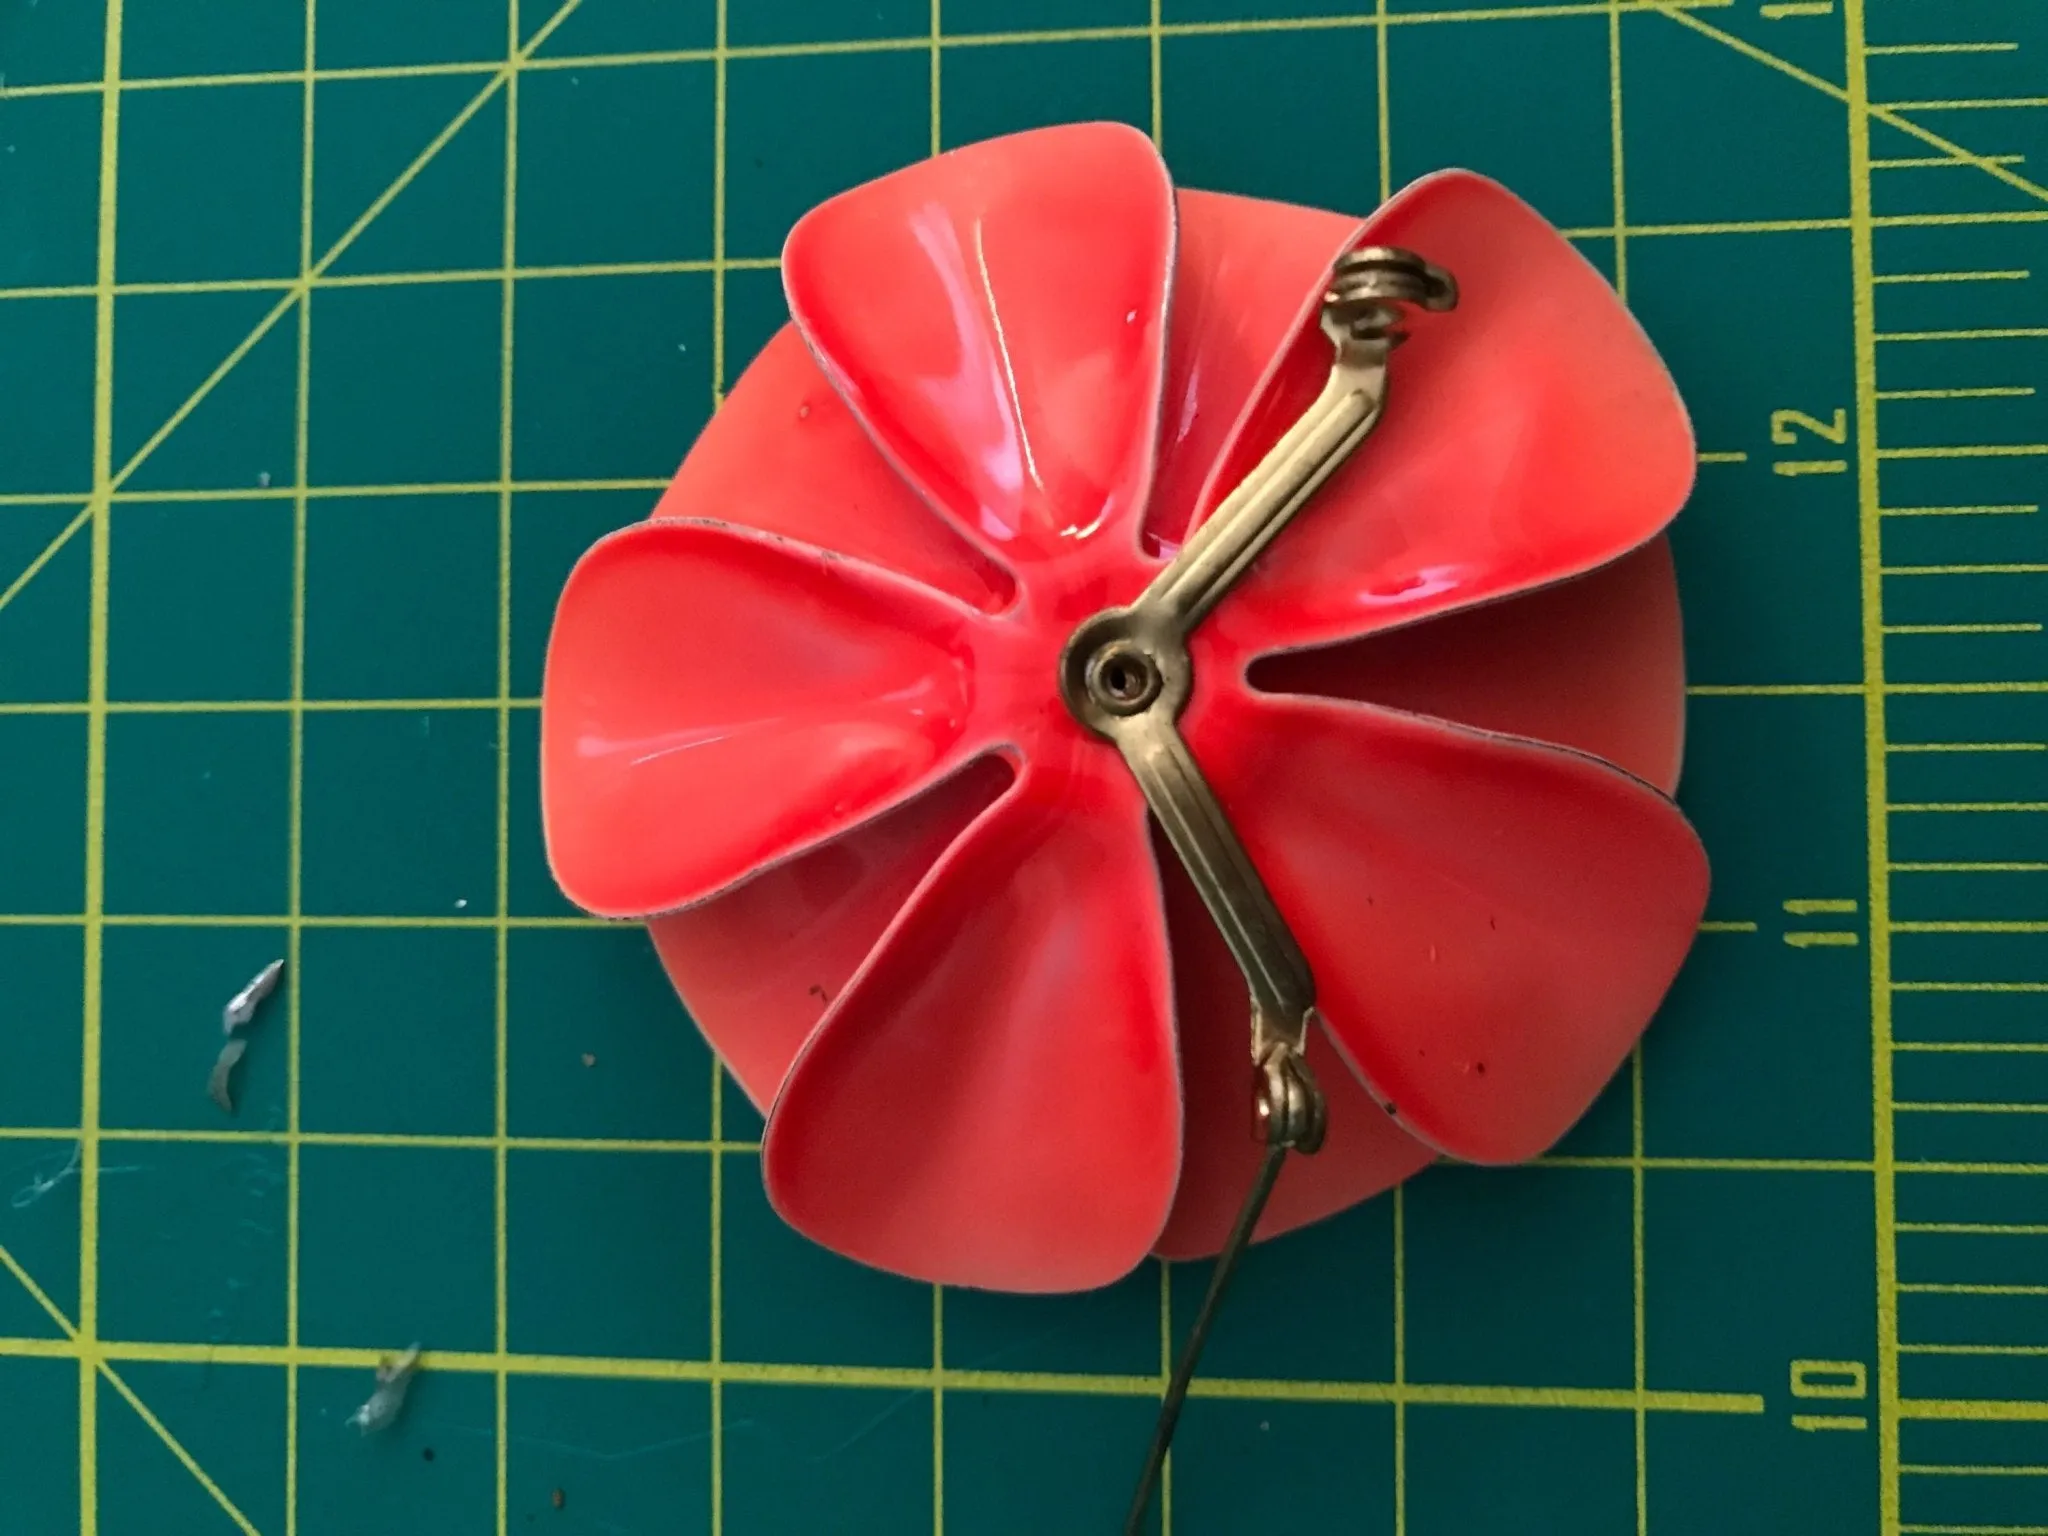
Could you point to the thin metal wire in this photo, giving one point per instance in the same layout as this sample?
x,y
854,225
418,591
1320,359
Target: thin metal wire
x,y
1191,1355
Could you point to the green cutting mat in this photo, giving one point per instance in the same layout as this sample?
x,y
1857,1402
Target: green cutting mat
x,y
327,342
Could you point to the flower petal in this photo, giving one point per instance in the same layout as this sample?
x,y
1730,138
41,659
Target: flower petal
x,y
1491,922
997,319
717,700
993,1101
1364,1153
758,966
785,455
1596,664
1248,278
1530,435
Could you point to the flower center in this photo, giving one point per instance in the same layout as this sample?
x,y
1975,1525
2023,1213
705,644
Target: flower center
x,y
1121,664
1122,678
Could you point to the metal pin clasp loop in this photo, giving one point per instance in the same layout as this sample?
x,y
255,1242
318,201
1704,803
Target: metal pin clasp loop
x,y
1292,1111
1372,286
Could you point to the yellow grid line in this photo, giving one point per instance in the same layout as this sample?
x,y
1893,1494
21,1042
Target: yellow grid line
x,y
1857,98
1972,1170
1965,688
1638,1299
1708,1164
403,705
935,86
1974,104
1990,1351
1972,926
2000,275
1877,825
95,513
245,920
1943,220
999,39
441,1140
936,145
1401,1383
678,265
296,293
1882,50
177,1449
1975,392
715,1258
266,706
1165,1380
92,1363
92,1356
342,492
1940,162
1155,39
1621,233
419,278
915,1378
1383,75
296,809
1683,11
1934,1289
1963,1107
1970,986
502,872
730,1146
1937,1470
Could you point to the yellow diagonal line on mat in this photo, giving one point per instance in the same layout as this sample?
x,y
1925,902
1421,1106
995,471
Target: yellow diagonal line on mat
x,y
87,1346
171,1442
294,293
1928,136
42,1297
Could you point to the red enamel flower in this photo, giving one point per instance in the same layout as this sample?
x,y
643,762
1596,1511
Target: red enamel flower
x,y
806,719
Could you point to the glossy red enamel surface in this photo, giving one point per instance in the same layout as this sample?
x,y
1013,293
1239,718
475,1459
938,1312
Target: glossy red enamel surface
x,y
759,966
997,319
1491,921
1597,664
972,1108
694,663
806,719
1247,283
1365,1152
1529,436
787,456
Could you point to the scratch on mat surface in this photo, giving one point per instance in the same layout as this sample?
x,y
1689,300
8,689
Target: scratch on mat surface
x,y
41,1184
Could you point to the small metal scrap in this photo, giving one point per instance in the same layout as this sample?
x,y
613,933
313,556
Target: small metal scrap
x,y
217,1084
242,1006
383,1405
238,1014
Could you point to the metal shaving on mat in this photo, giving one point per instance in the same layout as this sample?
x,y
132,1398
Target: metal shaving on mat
x,y
242,1006
383,1405
238,1014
